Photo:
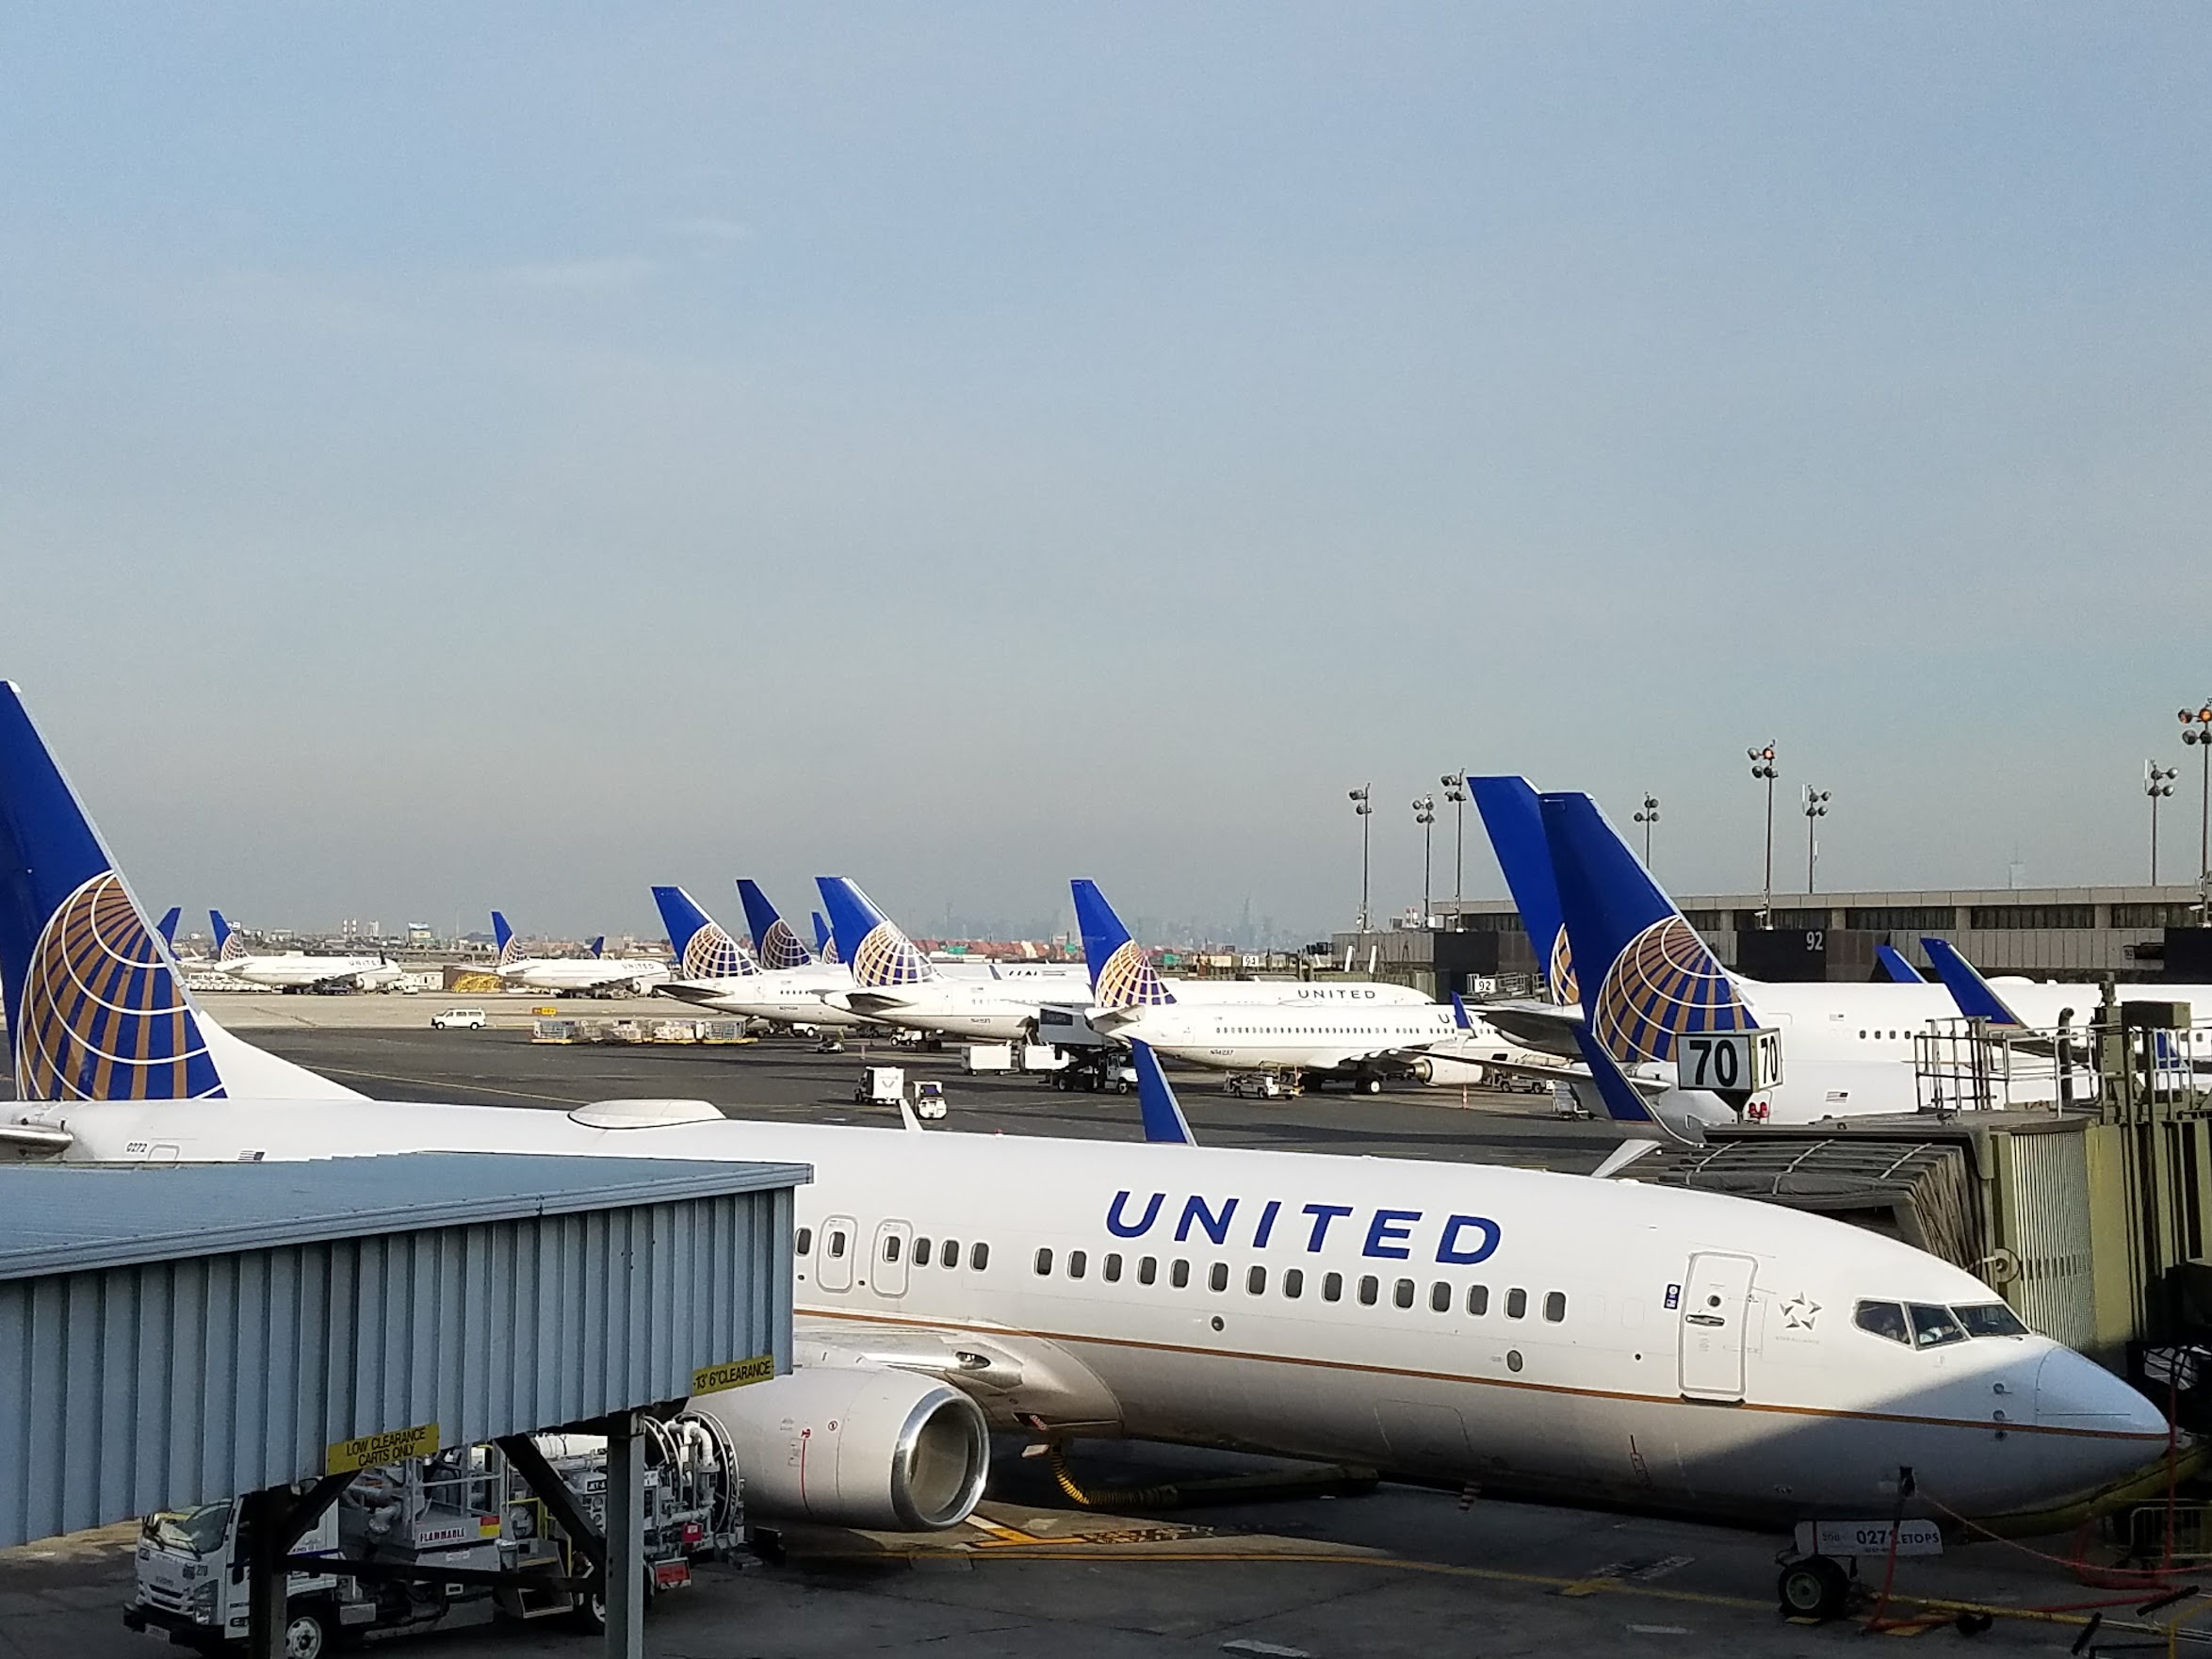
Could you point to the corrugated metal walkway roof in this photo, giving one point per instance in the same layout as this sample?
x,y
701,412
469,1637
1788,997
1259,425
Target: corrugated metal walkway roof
x,y
74,1218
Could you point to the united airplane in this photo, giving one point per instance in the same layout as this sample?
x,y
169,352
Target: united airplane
x,y
295,970
1586,1340
1351,1029
595,972
894,982
1847,1049
716,971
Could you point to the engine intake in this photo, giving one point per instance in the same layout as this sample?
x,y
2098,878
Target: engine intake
x,y
868,1447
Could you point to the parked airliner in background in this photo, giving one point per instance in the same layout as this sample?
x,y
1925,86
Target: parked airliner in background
x,y
1622,949
1352,1030
1452,1322
894,982
595,972
716,971
295,970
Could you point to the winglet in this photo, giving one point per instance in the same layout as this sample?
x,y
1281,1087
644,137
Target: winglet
x,y
1895,967
703,950
1164,1113
1973,994
773,940
1122,975
167,926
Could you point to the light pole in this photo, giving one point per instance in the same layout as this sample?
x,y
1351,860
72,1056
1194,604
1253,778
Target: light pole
x,y
2196,729
1762,767
1425,814
1456,793
1647,815
2158,785
1365,808
1815,808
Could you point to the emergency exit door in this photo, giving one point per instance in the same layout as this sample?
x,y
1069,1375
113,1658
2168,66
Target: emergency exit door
x,y
1716,1307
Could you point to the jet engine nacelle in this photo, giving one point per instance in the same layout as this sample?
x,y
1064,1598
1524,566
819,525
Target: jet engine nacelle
x,y
869,1447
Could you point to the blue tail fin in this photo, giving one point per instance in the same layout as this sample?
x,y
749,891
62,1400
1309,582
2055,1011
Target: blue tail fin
x,y
703,950
1122,976
95,1009
1164,1112
1511,814
1895,967
1973,994
882,956
504,937
229,945
1459,1014
772,938
167,926
1646,976
598,947
826,948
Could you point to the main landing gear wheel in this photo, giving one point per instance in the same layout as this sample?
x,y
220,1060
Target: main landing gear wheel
x,y
1369,1085
1814,1588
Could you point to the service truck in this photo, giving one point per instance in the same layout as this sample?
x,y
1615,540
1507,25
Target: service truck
x,y
463,1508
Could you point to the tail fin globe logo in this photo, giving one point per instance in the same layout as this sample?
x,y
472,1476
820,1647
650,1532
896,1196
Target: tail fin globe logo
x,y
711,954
888,957
1559,971
1127,979
102,1015
780,946
1665,986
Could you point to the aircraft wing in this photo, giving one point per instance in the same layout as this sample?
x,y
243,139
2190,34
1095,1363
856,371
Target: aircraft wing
x,y
1007,1373
1546,1027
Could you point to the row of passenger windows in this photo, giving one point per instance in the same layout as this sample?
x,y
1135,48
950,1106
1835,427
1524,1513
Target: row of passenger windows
x,y
1309,1030
1928,1325
944,1252
1403,1293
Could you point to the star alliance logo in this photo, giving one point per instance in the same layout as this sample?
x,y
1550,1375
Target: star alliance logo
x,y
1798,1312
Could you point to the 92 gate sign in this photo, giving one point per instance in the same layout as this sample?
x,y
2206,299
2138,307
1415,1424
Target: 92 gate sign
x,y
1745,1062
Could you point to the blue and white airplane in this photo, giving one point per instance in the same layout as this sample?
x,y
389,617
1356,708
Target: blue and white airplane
x,y
595,972
1584,1340
716,971
1351,1029
295,970
894,982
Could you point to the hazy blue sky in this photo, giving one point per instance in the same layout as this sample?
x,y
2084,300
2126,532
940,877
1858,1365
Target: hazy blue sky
x,y
456,455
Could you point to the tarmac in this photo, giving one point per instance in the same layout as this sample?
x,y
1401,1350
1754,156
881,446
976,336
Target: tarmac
x,y
1390,1571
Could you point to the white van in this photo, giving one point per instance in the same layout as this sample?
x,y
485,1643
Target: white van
x,y
465,1019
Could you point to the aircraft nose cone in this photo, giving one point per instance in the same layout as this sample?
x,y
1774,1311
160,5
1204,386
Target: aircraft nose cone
x,y
2078,1393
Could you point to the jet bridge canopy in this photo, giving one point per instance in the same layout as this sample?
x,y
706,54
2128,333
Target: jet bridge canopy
x,y
177,1335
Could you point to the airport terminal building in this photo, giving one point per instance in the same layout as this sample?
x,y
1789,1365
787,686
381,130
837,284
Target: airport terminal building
x,y
2133,934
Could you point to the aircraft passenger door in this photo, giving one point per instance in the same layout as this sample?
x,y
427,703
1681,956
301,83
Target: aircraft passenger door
x,y
894,1243
833,1260
1716,1307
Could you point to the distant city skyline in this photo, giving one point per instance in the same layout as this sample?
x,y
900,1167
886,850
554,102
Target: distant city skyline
x,y
456,458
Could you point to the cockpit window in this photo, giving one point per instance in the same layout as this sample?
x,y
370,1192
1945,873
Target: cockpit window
x,y
1933,1327
1884,1318
1991,1319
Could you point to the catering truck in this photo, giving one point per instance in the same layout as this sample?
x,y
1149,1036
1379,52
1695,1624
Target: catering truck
x,y
463,1509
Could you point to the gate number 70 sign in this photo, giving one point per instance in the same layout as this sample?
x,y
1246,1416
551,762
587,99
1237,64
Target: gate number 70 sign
x,y
1745,1062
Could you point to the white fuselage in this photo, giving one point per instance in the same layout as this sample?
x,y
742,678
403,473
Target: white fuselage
x,y
1449,1323
295,972
784,996
981,1010
1316,1034
584,973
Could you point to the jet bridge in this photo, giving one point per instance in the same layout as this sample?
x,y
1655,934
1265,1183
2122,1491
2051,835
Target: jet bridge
x,y
183,1334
